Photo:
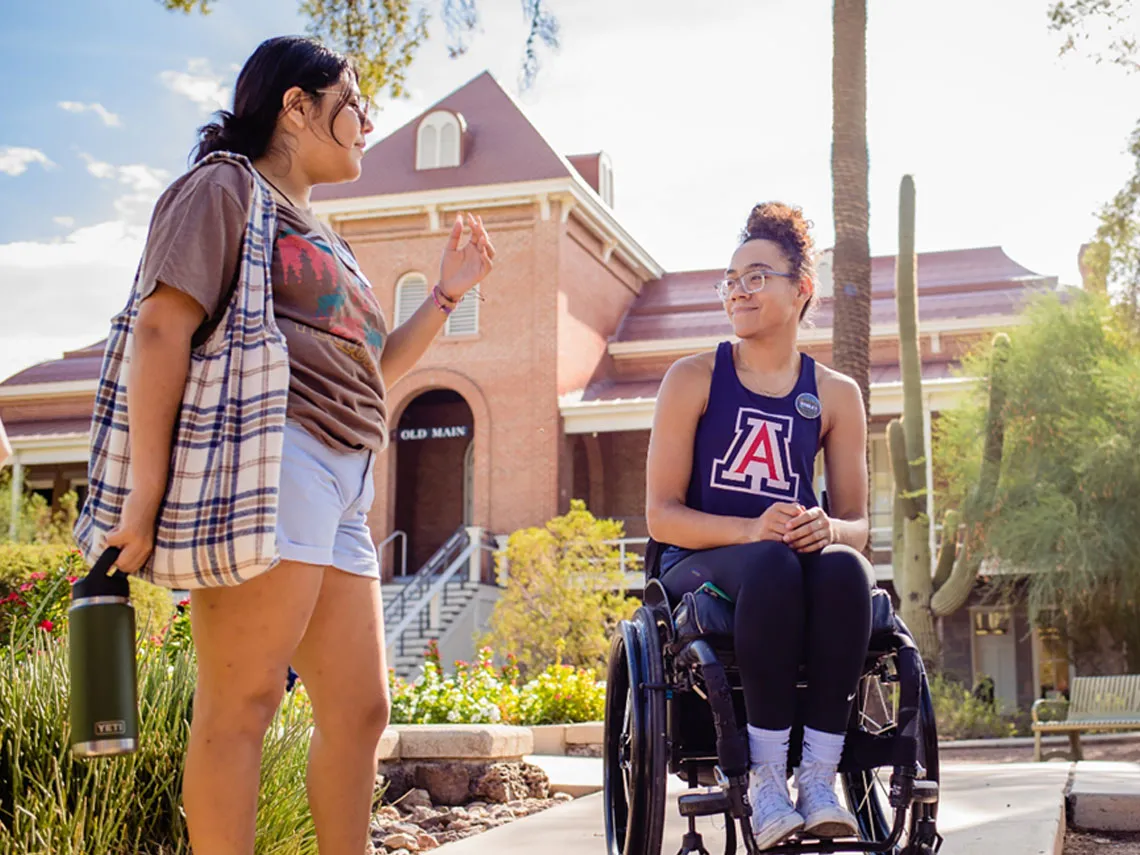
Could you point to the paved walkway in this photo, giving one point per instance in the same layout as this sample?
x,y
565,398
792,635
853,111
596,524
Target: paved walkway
x,y
1014,809
1106,796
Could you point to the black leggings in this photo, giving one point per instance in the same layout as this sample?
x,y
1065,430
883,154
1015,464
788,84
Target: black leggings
x,y
792,609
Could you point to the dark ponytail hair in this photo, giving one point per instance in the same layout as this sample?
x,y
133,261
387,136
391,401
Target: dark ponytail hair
x,y
275,67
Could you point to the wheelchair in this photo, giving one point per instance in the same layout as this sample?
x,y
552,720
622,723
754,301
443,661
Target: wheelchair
x,y
674,706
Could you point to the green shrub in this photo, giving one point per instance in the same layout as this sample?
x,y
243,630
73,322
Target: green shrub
x,y
477,693
36,522
562,695
480,693
35,587
564,583
961,715
50,802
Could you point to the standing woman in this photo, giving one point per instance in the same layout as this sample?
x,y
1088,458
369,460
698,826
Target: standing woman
x,y
300,120
731,464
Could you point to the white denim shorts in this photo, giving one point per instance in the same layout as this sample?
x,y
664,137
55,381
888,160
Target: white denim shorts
x,y
323,504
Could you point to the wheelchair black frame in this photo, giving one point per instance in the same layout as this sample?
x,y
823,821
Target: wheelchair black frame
x,y
669,669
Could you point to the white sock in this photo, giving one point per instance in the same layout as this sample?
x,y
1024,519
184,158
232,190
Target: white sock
x,y
768,746
823,748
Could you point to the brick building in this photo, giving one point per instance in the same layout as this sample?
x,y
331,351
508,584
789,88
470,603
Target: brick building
x,y
544,390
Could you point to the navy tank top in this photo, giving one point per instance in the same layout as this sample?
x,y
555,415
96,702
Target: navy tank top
x,y
751,450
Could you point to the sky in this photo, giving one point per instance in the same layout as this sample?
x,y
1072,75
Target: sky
x,y
703,113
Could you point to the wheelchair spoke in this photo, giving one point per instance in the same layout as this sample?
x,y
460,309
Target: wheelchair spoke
x,y
625,756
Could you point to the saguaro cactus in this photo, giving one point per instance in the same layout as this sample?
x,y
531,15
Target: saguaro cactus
x,y
923,594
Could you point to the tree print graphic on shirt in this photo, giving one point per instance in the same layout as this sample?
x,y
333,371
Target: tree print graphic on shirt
x,y
340,299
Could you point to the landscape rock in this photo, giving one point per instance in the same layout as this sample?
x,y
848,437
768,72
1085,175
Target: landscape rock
x,y
401,841
448,783
416,798
419,826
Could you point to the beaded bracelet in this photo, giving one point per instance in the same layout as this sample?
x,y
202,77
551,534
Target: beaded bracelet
x,y
442,302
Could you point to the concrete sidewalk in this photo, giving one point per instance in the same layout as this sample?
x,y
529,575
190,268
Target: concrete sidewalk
x,y
1014,809
1105,796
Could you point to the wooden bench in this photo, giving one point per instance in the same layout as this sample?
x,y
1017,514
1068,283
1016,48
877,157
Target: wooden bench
x,y
1095,703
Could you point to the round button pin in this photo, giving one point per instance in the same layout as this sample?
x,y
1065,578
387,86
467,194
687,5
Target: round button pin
x,y
808,406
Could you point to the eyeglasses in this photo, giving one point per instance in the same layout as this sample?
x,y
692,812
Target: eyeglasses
x,y
359,104
752,282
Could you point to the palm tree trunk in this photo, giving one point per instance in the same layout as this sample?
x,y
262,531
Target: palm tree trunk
x,y
851,334
851,265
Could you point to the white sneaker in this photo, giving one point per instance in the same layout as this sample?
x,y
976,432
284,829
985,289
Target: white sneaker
x,y
817,803
773,817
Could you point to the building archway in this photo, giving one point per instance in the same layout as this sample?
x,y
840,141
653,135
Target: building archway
x,y
434,457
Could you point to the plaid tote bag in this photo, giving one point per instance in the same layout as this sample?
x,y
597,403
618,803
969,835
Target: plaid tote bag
x,y
217,522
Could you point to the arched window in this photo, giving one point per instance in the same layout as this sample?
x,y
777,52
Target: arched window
x,y
411,291
439,140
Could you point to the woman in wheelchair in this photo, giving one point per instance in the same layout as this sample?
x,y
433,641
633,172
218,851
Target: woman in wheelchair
x,y
730,489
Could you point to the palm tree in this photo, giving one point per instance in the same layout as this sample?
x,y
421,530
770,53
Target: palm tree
x,y
851,266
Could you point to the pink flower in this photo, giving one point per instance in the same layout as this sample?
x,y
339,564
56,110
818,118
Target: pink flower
x,y
35,577
71,580
184,603
47,625
27,586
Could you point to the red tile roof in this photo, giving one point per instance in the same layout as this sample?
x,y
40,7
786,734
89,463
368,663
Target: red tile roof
x,y
952,285
81,364
589,166
47,427
501,146
609,390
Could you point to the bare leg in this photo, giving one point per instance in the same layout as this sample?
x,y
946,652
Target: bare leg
x,y
342,666
244,637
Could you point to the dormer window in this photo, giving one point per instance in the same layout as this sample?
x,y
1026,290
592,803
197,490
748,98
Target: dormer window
x,y
439,140
605,180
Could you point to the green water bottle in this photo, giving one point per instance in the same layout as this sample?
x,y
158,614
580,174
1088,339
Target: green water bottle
x,y
104,681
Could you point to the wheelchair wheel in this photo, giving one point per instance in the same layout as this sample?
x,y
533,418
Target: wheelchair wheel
x,y
868,791
636,752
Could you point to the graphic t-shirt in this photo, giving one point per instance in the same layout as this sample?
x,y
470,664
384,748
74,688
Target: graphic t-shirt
x,y
324,305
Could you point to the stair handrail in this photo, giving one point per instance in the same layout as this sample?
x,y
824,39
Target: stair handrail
x,y
403,535
395,637
413,590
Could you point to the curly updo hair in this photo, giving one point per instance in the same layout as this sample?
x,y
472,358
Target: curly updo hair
x,y
787,227
275,67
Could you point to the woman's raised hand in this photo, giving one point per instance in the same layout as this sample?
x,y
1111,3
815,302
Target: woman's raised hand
x,y
462,268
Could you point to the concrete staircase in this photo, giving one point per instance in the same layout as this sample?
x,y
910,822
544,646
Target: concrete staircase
x,y
422,608
416,638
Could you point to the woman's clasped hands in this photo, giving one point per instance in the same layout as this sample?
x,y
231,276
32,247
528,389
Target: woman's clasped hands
x,y
803,529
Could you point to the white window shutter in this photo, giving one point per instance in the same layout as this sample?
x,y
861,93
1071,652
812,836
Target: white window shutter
x,y
464,320
411,291
427,151
449,142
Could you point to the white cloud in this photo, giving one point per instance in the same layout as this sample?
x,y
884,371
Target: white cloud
x,y
15,160
98,168
60,294
110,119
144,183
200,84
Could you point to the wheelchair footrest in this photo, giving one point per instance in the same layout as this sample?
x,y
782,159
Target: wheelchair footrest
x,y
704,804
